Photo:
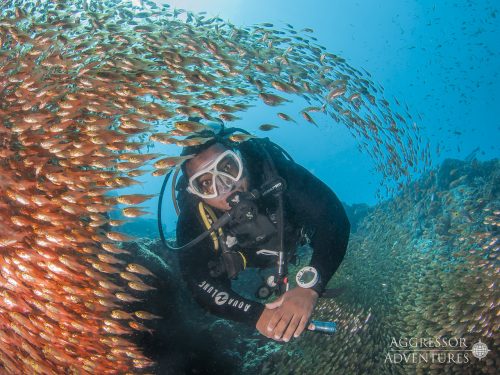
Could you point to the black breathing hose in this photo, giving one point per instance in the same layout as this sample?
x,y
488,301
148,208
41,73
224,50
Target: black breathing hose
x,y
160,204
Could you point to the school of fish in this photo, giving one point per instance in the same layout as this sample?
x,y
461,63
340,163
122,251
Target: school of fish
x,y
85,87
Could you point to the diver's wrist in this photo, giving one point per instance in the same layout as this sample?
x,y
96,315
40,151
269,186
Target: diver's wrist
x,y
318,289
311,291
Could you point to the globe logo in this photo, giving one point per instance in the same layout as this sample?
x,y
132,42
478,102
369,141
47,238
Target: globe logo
x,y
479,350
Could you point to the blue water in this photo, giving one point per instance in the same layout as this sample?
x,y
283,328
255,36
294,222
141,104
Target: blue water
x,y
441,58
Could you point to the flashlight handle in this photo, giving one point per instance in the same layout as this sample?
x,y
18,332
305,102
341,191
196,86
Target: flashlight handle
x,y
324,327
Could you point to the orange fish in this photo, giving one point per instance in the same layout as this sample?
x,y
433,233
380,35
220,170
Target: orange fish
x,y
130,277
133,212
308,118
146,315
171,161
120,237
134,198
140,286
137,268
126,297
113,249
140,327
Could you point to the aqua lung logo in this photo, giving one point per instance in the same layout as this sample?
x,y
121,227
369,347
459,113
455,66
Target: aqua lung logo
x,y
222,298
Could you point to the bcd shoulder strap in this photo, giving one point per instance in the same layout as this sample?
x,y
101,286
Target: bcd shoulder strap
x,y
209,217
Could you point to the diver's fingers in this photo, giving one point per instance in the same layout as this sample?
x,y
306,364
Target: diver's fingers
x,y
302,326
282,326
292,328
274,320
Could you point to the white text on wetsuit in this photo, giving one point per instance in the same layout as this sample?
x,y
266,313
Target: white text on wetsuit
x,y
222,298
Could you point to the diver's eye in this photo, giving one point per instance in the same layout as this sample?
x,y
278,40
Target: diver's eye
x,y
229,167
206,185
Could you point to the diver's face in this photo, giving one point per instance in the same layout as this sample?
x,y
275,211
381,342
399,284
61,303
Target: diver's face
x,y
204,159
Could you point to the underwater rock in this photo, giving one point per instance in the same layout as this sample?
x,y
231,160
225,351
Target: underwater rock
x,y
183,341
142,228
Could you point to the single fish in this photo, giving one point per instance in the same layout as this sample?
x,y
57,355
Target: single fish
x,y
285,117
110,248
107,258
130,277
241,137
160,172
137,172
133,212
171,161
271,99
190,126
105,268
224,108
137,268
308,118
267,127
140,286
121,315
335,93
282,86
146,315
126,297
165,138
120,237
132,199
228,117
140,327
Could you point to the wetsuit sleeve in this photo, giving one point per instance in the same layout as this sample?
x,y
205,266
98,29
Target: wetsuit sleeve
x,y
213,294
315,205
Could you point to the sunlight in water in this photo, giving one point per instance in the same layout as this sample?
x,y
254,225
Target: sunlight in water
x,y
213,7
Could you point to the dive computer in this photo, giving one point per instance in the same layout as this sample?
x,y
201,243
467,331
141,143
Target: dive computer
x,y
308,277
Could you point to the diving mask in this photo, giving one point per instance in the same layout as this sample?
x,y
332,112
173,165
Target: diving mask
x,y
218,177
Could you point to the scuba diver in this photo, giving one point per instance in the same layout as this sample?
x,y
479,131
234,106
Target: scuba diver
x,y
249,204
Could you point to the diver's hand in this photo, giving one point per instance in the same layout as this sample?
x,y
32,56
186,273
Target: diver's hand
x,y
292,311
263,322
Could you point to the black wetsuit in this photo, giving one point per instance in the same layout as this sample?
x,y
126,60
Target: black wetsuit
x,y
308,203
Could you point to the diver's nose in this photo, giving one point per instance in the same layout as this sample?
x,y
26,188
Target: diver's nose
x,y
223,186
